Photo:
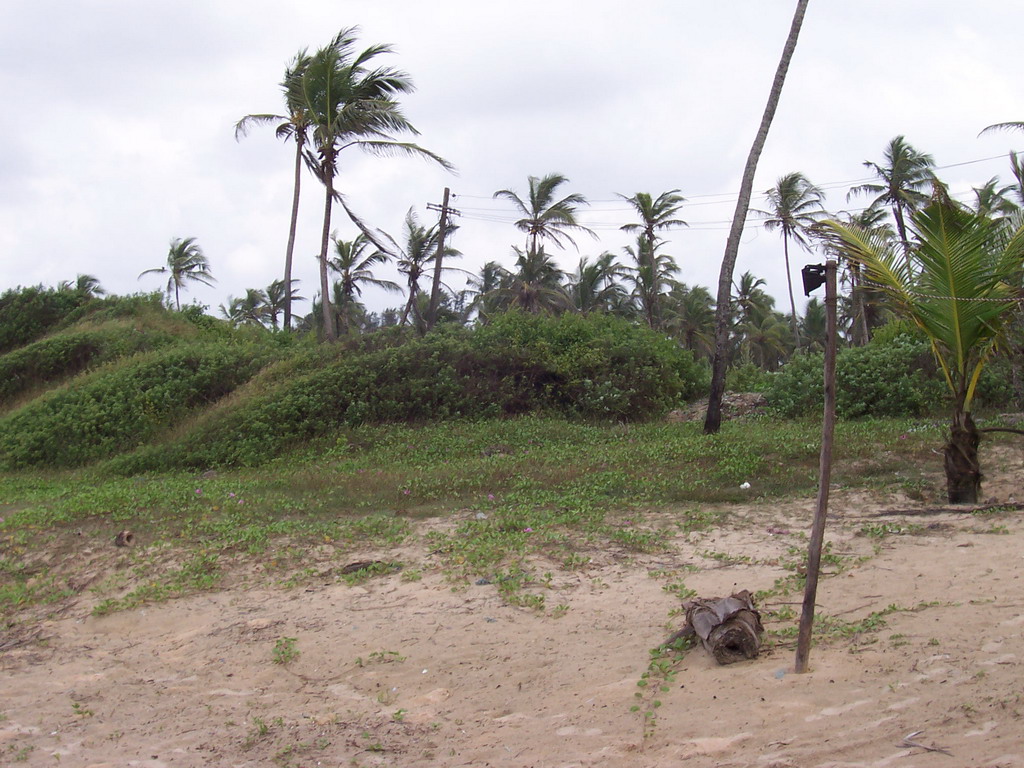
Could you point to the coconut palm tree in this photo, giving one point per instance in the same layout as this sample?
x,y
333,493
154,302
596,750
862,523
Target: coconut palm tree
x,y
960,289
86,286
993,200
543,216
905,176
652,277
655,213
596,286
352,103
691,317
713,419
251,309
537,285
483,288
294,126
418,248
354,267
279,299
794,205
185,262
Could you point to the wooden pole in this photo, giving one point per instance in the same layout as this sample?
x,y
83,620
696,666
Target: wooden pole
x,y
435,290
803,646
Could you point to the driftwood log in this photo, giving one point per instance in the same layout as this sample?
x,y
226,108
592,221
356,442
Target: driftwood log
x,y
728,627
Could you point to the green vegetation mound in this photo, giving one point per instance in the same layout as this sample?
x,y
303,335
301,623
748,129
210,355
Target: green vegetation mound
x,y
587,367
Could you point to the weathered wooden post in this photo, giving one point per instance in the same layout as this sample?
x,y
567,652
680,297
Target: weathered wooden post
x,y
812,279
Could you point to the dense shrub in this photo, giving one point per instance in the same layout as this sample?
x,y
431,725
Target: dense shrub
x,y
593,367
896,378
26,314
123,406
67,354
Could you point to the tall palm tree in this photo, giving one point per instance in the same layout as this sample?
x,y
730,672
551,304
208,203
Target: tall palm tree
x,y
713,419
354,267
794,205
352,103
185,261
652,277
905,175
960,290
293,126
545,217
655,213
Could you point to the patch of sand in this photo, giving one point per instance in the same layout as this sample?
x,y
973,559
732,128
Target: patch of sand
x,y
476,682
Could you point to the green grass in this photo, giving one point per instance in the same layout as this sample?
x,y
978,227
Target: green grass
x,y
522,487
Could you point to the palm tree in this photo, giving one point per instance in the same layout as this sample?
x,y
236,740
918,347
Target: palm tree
x,y
536,286
813,325
484,289
905,175
295,126
652,277
960,290
655,213
355,269
185,261
713,419
544,217
794,206
993,201
251,309
414,256
691,318
352,105
279,300
595,286
86,286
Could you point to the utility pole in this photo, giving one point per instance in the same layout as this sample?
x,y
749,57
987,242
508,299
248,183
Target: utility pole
x,y
814,275
442,231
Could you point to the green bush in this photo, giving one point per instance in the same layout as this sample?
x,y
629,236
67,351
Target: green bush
x,y
895,378
123,406
747,378
67,354
591,367
26,314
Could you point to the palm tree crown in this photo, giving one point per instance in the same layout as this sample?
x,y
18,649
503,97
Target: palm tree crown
x,y
352,104
295,126
905,174
544,217
794,205
185,261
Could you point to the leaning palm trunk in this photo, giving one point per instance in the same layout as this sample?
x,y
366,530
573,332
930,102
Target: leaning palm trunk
x,y
290,249
713,420
325,288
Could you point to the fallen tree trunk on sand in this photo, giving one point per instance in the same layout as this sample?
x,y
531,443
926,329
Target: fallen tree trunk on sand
x,y
728,627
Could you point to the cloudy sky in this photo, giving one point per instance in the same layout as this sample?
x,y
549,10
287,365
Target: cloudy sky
x,y
116,133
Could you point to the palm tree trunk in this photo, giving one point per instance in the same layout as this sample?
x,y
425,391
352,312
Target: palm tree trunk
x,y
901,227
963,471
792,303
713,420
325,288
290,249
